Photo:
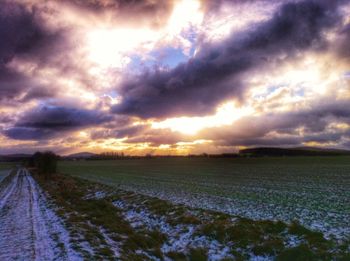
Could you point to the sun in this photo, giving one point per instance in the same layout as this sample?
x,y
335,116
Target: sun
x,y
111,48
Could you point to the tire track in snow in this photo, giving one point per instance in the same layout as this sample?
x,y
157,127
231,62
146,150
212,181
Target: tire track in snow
x,y
16,230
29,230
4,194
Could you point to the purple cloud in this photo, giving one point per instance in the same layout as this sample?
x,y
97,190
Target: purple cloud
x,y
49,121
22,35
215,73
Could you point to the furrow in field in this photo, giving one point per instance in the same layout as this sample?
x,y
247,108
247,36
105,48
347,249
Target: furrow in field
x,y
6,193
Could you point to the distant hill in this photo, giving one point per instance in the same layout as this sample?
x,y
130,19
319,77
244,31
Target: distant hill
x,y
324,149
81,155
297,151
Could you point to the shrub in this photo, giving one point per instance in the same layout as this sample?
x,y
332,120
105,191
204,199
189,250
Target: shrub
x,y
198,254
302,253
45,163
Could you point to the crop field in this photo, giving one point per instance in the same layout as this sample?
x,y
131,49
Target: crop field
x,y
4,170
6,165
106,223
313,190
3,174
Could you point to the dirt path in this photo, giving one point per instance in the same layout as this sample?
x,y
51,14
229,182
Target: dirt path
x,y
29,229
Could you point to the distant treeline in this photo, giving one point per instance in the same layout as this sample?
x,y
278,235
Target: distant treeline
x,y
251,152
121,155
268,151
108,156
222,155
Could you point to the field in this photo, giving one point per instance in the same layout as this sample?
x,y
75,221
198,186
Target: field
x,y
4,169
107,223
312,190
3,174
6,165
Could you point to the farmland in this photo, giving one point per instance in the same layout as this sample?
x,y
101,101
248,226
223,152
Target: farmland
x,y
3,174
6,165
312,190
5,169
107,223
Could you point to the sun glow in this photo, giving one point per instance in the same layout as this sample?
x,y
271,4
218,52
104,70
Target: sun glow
x,y
225,115
185,13
110,47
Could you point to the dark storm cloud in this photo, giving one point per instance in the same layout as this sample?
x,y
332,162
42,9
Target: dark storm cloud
x,y
133,6
342,46
22,35
346,144
50,121
16,87
281,129
23,133
215,73
128,131
118,133
212,7
11,83
5,118
18,34
61,118
281,141
141,134
156,137
18,31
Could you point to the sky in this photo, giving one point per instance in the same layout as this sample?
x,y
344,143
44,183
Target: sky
x,y
173,77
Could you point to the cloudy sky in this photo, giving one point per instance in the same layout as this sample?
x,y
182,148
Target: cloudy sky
x,y
174,76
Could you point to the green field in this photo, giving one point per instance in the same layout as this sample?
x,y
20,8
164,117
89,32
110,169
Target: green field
x,y
313,190
4,169
6,165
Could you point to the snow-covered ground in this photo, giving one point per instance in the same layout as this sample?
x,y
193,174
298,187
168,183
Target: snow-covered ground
x,y
180,237
331,224
29,228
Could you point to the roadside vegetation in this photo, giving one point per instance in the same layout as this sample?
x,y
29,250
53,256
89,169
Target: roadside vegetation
x,y
108,223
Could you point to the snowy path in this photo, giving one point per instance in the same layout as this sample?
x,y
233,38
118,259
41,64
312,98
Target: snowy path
x,y
29,230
